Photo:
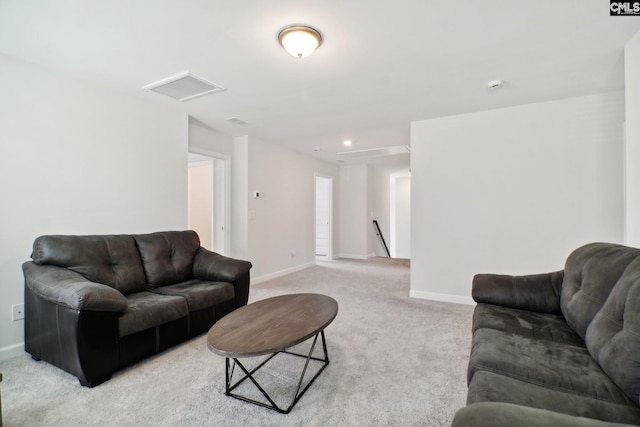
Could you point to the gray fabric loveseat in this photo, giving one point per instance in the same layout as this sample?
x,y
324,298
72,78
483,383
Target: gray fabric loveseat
x,y
558,349
95,304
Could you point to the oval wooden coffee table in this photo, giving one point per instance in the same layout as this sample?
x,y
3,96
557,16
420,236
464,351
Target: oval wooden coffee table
x,y
271,326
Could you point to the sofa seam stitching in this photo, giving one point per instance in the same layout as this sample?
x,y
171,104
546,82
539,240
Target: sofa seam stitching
x,y
545,385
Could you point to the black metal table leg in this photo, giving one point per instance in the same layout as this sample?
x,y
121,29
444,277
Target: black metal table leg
x,y
249,375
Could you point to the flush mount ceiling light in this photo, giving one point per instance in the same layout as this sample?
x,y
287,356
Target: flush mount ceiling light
x,y
299,40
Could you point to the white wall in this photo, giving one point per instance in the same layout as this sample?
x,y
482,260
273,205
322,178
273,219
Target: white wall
x,y
71,163
364,196
353,212
239,224
632,147
282,220
204,140
401,222
513,190
221,206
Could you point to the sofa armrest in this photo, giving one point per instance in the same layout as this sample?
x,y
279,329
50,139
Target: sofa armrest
x,y
498,414
538,292
212,266
70,289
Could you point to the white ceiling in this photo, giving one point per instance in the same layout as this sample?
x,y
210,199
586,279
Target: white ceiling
x,y
382,64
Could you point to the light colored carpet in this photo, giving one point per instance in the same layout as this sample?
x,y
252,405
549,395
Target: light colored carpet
x,y
395,361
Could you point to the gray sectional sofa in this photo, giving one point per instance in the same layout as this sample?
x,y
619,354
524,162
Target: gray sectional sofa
x,y
558,349
95,304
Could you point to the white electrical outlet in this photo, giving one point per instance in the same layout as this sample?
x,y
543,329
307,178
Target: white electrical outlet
x,y
17,312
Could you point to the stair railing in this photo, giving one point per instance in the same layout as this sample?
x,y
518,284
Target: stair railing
x,y
379,233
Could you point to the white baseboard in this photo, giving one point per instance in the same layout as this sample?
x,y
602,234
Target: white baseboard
x,y
11,351
456,299
352,256
371,255
280,273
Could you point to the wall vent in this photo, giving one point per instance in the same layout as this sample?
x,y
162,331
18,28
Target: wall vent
x,y
184,86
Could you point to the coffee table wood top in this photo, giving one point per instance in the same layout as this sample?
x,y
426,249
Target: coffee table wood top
x,y
271,325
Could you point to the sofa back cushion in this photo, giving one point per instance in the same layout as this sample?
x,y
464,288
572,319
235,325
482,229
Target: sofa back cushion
x,y
590,273
167,256
112,260
613,337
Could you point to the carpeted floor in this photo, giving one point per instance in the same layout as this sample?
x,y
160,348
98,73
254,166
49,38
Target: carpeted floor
x,y
395,361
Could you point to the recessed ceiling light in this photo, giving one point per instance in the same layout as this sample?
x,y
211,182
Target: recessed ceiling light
x,y
347,142
316,148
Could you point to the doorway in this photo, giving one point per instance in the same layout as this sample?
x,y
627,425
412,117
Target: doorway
x,y
324,233
208,206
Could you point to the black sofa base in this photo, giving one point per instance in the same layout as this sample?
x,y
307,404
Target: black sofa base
x,y
93,352
83,343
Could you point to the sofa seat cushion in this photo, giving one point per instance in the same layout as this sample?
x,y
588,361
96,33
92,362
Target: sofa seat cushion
x,y
549,327
200,294
148,310
491,387
553,365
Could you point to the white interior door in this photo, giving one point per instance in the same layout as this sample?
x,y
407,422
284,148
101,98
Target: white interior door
x,y
324,189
